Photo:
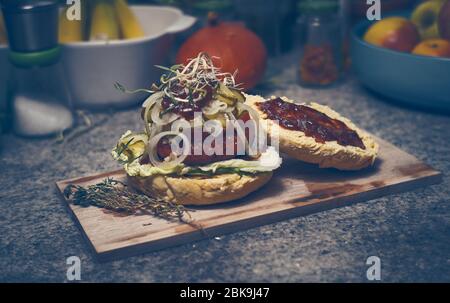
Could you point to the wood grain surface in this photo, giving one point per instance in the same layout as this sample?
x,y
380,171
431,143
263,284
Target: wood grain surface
x,y
296,189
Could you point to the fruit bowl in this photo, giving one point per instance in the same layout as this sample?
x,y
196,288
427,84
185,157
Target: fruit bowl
x,y
410,79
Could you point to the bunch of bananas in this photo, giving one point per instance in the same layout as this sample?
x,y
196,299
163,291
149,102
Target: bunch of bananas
x,y
3,39
101,20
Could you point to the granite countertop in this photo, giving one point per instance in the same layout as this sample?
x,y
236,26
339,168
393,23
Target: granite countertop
x,y
408,232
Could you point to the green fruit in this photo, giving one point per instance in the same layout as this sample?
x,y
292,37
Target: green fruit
x,y
425,17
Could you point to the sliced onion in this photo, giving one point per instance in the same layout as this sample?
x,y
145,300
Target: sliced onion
x,y
153,150
155,129
167,117
240,133
181,125
152,99
252,112
229,109
254,115
148,104
214,107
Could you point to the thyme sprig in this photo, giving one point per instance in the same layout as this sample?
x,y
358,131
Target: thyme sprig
x,y
115,195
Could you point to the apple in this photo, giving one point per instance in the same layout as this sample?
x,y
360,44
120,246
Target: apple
x,y
444,21
396,33
425,17
433,47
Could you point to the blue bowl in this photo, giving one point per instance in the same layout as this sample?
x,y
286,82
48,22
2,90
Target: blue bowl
x,y
415,80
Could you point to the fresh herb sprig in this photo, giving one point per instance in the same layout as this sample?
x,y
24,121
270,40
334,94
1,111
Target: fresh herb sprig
x,y
115,195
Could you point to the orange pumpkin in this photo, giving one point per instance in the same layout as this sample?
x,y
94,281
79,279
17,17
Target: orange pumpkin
x,y
238,48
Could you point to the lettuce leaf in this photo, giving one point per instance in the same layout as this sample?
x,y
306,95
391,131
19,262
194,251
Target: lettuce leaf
x,y
130,146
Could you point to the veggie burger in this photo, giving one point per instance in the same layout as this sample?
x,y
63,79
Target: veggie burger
x,y
201,143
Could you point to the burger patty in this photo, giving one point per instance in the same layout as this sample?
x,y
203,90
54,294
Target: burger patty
x,y
208,153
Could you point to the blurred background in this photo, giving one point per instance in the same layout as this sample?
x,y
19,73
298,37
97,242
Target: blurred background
x,y
55,66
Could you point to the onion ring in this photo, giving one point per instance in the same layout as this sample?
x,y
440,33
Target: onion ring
x,y
153,151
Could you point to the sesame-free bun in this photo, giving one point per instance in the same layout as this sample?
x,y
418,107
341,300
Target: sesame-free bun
x,y
196,190
329,154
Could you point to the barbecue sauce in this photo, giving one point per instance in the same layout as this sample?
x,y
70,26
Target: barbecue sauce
x,y
310,121
207,156
187,109
164,150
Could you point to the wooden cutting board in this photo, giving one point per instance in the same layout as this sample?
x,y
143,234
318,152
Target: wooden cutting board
x,y
296,189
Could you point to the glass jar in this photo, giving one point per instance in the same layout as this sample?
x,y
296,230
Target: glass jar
x,y
39,94
273,21
346,33
201,8
321,53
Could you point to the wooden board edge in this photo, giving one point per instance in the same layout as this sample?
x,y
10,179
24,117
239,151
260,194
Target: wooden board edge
x,y
301,210
74,217
87,178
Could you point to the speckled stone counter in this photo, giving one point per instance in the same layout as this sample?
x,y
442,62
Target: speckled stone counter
x,y
409,231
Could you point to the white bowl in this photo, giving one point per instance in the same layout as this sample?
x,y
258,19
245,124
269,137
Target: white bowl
x,y
94,66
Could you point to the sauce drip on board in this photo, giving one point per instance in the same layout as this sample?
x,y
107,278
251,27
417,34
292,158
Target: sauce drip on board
x,y
310,121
